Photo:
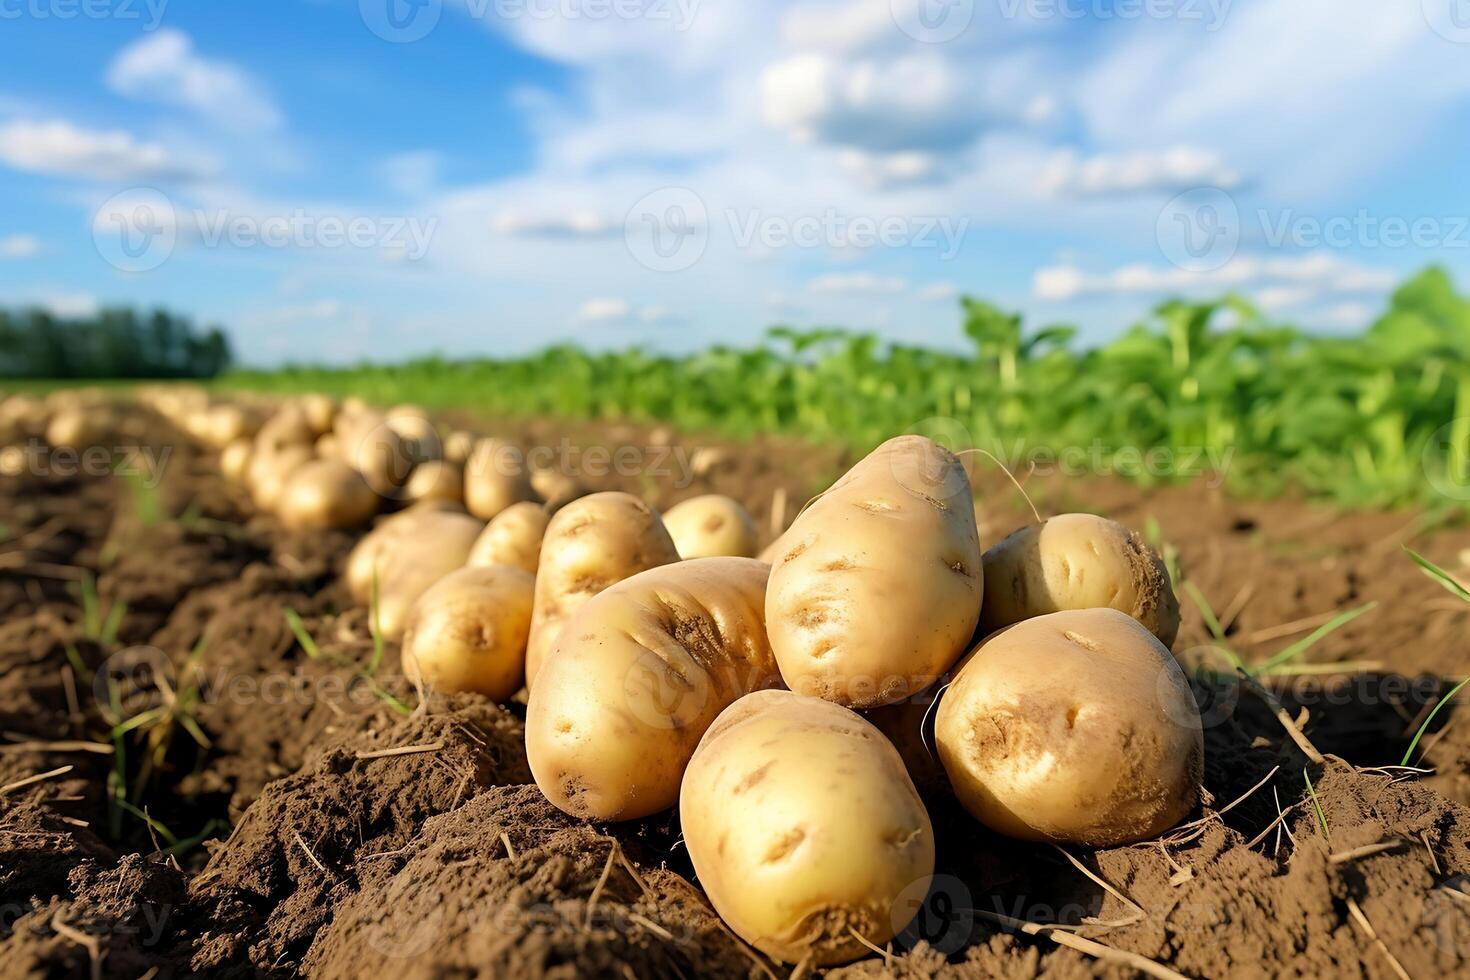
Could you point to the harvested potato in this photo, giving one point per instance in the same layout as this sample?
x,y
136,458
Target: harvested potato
x,y
268,470
639,672
377,451
804,828
877,589
590,544
1076,727
513,538
287,427
319,411
225,424
435,480
234,459
76,428
410,552
556,488
1078,561
419,437
468,632
494,478
326,493
711,526
458,445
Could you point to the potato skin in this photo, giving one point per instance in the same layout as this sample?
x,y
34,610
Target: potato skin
x,y
711,526
1078,561
468,632
325,493
590,544
802,823
495,476
877,586
1077,727
638,673
435,479
513,538
411,552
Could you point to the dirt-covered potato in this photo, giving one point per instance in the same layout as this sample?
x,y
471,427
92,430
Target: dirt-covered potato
x,y
711,526
1076,727
495,477
410,552
513,538
638,673
468,632
326,493
590,544
1078,561
877,586
435,480
804,828
234,459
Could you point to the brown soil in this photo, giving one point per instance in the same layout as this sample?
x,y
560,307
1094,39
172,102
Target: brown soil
x,y
284,835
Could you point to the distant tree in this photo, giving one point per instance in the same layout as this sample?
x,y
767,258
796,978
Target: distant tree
x,y
115,343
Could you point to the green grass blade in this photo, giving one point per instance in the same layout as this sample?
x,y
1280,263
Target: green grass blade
x,y
107,636
1317,806
1212,623
1441,576
302,636
1409,753
1303,645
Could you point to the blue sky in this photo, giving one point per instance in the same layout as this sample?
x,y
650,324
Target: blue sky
x,y
330,182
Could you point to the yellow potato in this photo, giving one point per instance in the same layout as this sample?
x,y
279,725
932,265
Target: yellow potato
x,y
590,544
76,428
410,552
556,488
513,538
711,526
378,452
1077,727
495,478
639,672
319,411
435,480
804,828
468,632
269,469
234,459
1078,561
326,493
877,586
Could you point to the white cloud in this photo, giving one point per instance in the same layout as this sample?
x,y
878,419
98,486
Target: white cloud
x,y
58,148
19,247
413,174
1119,174
164,67
604,310
68,306
1282,281
857,283
1352,314
571,225
938,292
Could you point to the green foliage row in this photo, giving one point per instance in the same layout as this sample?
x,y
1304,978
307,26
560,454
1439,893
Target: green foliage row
x,y
1382,417
116,343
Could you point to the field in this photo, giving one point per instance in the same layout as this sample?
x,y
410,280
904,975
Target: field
x,y
210,766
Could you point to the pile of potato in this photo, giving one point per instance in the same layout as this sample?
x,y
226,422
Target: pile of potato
x,y
772,701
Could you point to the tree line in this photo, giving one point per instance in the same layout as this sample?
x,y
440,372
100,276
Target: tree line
x,y
113,343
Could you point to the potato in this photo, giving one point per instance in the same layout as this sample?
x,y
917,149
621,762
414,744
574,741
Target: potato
x,y
435,480
638,673
420,438
234,459
804,828
378,452
457,446
590,544
711,526
494,478
288,427
319,411
410,551
326,493
513,538
877,589
77,428
468,632
1076,727
1078,561
557,489
268,470
227,423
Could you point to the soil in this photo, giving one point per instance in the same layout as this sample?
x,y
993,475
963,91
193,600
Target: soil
x,y
284,813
